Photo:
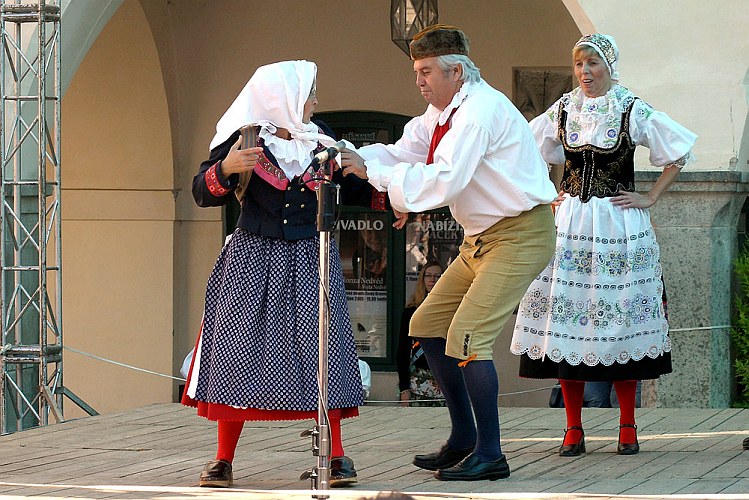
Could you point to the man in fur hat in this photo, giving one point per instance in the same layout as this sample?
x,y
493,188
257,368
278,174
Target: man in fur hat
x,y
473,151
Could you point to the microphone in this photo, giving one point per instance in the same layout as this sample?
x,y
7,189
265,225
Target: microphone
x,y
329,153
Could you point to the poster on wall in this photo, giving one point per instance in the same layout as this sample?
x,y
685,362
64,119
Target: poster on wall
x,y
363,242
430,237
535,89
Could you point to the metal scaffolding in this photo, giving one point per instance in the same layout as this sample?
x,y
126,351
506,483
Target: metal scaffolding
x,y
30,245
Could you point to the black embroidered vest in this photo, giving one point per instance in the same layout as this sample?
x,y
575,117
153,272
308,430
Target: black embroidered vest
x,y
592,171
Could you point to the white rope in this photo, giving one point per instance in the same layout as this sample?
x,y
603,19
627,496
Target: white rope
x,y
719,327
6,347
124,365
379,401
397,402
527,391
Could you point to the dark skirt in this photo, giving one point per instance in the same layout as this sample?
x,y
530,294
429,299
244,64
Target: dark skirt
x,y
644,369
257,354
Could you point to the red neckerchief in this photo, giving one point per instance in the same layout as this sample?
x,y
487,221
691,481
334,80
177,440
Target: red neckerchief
x,y
439,133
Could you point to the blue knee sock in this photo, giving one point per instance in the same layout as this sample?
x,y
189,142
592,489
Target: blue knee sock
x,y
448,375
483,388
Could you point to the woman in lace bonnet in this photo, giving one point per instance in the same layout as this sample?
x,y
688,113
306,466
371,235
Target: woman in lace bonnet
x,y
595,313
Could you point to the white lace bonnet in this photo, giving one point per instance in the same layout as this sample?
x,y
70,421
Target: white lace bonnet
x,y
605,46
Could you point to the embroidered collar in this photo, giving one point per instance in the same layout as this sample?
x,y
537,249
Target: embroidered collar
x,y
616,100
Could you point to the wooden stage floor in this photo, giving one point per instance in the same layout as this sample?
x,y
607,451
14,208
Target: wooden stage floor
x,y
158,451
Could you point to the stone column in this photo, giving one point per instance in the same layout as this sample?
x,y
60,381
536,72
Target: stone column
x,y
696,225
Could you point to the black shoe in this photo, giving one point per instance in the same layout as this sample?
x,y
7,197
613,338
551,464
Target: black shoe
x,y
473,469
217,474
627,448
745,444
443,459
573,450
342,472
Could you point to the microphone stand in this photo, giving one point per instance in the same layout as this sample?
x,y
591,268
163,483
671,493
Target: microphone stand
x,y
328,202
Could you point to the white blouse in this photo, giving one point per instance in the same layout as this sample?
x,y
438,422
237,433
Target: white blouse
x,y
485,168
597,120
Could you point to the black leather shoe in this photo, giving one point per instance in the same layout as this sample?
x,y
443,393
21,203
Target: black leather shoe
x,y
627,448
745,444
217,474
342,472
573,450
473,469
443,459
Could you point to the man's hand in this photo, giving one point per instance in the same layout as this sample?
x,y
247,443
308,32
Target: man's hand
x,y
352,163
400,219
240,160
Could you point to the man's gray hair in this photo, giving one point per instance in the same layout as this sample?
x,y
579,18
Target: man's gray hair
x,y
471,73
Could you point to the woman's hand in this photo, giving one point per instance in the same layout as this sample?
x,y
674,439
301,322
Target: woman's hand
x,y
630,199
352,163
557,201
240,160
405,397
401,218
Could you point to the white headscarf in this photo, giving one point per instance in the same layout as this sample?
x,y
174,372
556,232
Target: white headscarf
x,y
606,47
274,98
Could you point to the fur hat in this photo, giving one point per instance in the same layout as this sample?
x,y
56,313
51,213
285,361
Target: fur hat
x,y
438,40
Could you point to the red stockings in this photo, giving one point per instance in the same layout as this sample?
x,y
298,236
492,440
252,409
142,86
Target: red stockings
x,y
572,390
230,430
625,393
228,436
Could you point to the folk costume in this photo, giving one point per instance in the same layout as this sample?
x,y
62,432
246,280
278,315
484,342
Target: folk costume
x,y
257,353
596,312
476,156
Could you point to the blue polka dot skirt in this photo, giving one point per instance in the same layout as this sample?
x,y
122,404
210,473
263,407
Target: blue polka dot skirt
x,y
258,347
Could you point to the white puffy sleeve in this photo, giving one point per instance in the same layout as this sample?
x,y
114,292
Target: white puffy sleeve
x,y
544,128
412,147
669,142
414,186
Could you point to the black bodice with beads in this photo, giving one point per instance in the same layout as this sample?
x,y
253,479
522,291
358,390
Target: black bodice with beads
x,y
593,171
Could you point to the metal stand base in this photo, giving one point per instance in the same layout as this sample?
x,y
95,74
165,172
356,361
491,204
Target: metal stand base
x,y
328,201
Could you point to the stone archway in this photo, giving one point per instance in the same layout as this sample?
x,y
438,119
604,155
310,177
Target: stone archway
x,y
577,12
81,24
117,208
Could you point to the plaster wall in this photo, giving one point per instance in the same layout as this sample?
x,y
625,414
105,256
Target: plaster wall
x,y
118,218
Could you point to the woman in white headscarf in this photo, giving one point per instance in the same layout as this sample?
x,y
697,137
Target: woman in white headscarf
x,y
596,312
256,357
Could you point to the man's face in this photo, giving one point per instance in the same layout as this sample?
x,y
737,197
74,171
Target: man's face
x,y
437,87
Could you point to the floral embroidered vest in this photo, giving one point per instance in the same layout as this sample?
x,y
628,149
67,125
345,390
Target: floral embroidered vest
x,y
601,172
